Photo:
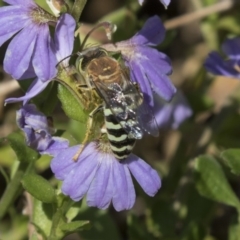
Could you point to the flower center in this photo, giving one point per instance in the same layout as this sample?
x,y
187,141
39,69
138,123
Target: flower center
x,y
40,16
104,146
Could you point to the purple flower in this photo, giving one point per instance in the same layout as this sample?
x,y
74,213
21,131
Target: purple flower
x,y
172,114
164,2
38,132
148,67
31,45
231,65
100,176
61,48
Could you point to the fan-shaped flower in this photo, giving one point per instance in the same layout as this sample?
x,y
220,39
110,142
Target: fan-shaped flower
x,y
37,131
61,47
100,176
231,65
148,67
31,45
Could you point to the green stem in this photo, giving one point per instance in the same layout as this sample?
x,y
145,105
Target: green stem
x,y
14,188
58,219
77,9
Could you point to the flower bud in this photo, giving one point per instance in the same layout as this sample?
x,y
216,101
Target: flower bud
x,y
56,6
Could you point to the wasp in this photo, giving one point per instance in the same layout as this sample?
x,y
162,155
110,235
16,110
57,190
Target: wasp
x,y
126,117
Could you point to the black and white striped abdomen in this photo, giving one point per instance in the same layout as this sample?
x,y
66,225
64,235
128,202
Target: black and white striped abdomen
x,y
121,144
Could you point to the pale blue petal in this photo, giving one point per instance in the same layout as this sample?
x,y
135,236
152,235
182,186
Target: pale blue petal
x,y
64,37
138,75
145,175
44,60
25,3
57,144
160,82
101,190
36,87
63,163
77,183
160,60
165,2
124,192
19,52
29,115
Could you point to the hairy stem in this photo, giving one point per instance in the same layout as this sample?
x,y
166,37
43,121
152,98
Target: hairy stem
x,y
58,219
77,9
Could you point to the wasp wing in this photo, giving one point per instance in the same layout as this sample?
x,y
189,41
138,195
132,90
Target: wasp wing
x,y
122,107
147,120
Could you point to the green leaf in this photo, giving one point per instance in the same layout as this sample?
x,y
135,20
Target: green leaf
x,y
70,105
229,23
39,188
42,217
232,159
212,183
234,230
75,226
4,174
34,236
73,211
23,152
47,99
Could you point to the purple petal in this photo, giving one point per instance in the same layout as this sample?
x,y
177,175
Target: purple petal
x,y
160,60
44,60
64,37
165,2
161,84
182,111
77,175
78,181
101,189
19,51
145,175
152,33
29,115
216,65
231,47
138,75
39,141
124,192
56,145
36,87
12,20
30,73
25,3
172,114
63,163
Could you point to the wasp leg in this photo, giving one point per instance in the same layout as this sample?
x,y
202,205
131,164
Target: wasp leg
x,y
86,93
83,89
88,132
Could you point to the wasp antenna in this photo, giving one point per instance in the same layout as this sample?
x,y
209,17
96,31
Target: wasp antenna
x,y
66,58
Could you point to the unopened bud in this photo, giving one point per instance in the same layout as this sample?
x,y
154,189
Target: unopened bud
x,y
57,6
